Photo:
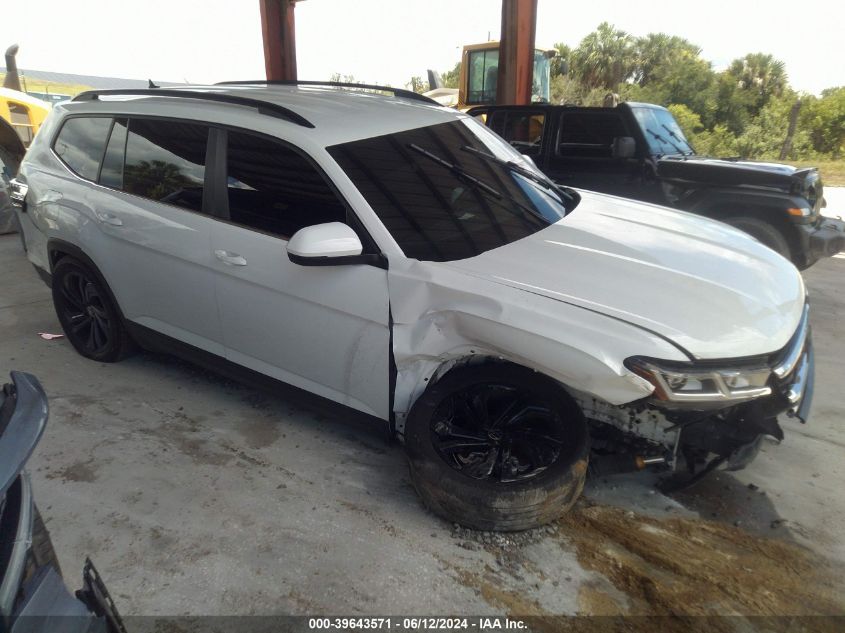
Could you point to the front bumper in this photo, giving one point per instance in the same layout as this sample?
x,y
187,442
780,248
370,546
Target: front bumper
x,y
825,239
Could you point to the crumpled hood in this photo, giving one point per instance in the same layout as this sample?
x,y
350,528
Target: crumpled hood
x,y
709,288
719,171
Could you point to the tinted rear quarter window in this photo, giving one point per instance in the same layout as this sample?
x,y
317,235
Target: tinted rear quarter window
x,y
165,161
80,144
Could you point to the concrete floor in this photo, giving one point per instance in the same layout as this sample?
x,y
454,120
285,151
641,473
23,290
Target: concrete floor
x,y
196,495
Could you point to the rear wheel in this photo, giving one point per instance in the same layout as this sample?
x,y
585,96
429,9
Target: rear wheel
x,y
89,317
497,447
764,232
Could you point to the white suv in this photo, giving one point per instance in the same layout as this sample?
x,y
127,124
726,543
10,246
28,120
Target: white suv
x,y
400,258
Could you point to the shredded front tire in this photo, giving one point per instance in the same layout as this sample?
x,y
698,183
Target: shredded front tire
x,y
497,447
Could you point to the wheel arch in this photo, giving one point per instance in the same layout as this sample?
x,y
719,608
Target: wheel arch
x,y
58,249
414,379
769,208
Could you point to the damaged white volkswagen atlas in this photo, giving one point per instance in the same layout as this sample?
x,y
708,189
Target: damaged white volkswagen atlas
x,y
399,258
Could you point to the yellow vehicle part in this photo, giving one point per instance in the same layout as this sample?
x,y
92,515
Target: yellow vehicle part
x,y
23,112
480,74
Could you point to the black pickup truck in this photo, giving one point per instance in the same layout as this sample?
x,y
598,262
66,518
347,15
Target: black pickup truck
x,y
637,150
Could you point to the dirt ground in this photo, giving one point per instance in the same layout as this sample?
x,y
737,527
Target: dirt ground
x,y
198,496
673,567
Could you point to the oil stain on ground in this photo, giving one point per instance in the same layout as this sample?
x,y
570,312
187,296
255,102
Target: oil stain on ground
x,y
79,471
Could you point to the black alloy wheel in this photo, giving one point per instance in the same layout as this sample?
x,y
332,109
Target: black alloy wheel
x,y
494,432
87,312
497,446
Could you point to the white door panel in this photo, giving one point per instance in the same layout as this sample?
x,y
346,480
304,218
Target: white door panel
x,y
321,328
162,267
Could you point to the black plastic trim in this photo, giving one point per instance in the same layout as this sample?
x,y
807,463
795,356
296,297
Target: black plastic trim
x,y
398,92
46,277
263,107
379,261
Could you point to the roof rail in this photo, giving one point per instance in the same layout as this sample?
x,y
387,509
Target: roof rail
x,y
263,107
398,92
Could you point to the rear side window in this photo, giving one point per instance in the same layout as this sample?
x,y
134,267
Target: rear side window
x,y
80,144
165,161
273,189
590,134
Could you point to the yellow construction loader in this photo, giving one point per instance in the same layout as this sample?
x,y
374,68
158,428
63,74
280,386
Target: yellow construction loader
x,y
479,76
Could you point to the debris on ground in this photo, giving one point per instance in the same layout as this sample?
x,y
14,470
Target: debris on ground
x,y
49,337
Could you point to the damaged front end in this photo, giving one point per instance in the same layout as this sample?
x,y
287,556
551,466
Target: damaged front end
x,y
703,415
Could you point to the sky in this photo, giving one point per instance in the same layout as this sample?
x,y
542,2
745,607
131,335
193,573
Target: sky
x,y
389,41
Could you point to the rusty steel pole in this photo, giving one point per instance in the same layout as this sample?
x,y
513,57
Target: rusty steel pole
x,y
278,30
516,52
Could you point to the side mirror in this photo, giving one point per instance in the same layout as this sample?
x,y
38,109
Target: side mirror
x,y
624,147
327,244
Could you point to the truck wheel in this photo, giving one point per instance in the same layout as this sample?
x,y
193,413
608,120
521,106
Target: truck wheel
x,y
89,317
497,447
764,233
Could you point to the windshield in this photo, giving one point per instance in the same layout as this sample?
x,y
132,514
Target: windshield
x,y
441,202
662,132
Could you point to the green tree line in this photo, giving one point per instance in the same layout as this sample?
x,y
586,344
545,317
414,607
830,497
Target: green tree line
x,y
744,110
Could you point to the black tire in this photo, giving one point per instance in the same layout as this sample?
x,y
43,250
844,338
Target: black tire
x,y
764,232
515,495
87,312
42,549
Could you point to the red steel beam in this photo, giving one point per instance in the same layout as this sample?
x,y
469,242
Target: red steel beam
x,y
278,30
516,52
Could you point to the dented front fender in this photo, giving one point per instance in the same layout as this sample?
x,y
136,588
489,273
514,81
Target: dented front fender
x,y
442,316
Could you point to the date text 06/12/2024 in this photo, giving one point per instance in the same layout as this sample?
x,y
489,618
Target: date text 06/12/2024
x,y
416,623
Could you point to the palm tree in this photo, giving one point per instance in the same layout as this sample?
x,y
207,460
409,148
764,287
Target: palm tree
x,y
760,74
604,58
658,52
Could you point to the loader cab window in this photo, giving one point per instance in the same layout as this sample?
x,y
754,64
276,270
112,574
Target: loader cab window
x,y
483,72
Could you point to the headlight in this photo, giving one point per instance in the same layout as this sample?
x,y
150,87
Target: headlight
x,y
674,383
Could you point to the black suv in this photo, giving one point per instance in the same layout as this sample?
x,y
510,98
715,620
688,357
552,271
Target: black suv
x,y
637,150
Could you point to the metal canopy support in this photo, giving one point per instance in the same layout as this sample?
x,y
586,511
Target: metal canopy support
x,y
278,30
516,52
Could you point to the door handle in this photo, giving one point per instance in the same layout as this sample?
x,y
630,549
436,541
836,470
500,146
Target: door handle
x,y
230,259
109,218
